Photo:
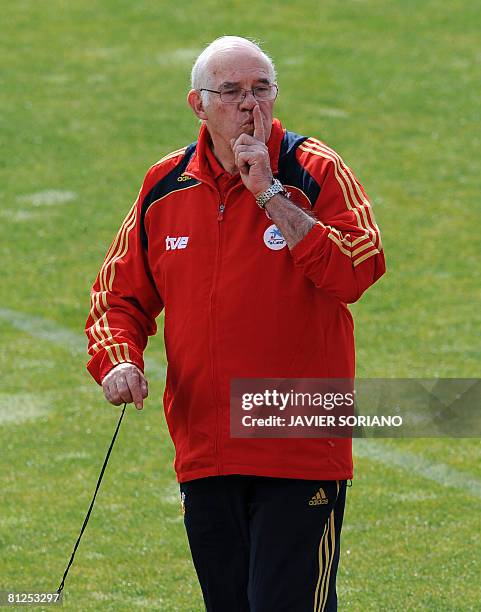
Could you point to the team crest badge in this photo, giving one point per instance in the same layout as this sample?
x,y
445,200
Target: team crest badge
x,y
273,239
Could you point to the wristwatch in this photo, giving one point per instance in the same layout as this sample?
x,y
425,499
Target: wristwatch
x,y
274,189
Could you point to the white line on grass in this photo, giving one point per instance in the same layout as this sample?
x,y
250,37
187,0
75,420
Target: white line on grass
x,y
74,342
16,408
440,473
72,455
20,407
44,329
18,214
182,54
129,600
49,197
171,493
337,113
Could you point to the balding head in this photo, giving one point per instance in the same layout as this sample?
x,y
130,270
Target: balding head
x,y
223,51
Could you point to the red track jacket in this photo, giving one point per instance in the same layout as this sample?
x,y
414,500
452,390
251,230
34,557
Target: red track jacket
x,y
237,303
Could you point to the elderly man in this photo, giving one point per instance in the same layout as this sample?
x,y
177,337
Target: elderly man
x,y
253,240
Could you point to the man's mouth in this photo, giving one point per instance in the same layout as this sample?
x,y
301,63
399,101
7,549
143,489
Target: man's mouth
x,y
248,126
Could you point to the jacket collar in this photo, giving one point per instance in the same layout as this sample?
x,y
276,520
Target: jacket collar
x,y
198,165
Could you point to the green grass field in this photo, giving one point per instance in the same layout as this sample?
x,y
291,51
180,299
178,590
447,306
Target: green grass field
x,y
92,93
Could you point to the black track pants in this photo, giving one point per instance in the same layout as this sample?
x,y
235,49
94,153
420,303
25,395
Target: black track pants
x,y
263,544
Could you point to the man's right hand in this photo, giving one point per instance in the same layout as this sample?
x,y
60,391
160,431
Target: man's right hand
x,y
125,384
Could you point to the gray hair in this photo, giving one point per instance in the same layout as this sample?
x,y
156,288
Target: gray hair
x,y
200,72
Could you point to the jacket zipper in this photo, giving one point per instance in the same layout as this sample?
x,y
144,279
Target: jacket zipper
x,y
215,393
218,425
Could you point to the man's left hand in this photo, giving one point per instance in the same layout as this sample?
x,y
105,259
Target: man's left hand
x,y
252,157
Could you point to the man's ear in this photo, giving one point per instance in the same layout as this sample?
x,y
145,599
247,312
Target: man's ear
x,y
195,102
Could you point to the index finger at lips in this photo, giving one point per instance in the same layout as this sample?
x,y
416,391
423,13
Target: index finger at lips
x,y
259,133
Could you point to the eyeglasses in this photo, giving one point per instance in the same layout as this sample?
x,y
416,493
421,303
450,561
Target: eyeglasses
x,y
235,95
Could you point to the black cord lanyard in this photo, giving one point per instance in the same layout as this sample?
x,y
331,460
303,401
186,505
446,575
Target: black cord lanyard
x,y
60,588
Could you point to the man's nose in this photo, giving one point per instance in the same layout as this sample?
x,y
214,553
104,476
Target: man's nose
x,y
249,101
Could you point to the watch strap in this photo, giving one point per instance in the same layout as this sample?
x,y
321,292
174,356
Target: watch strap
x,y
274,189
